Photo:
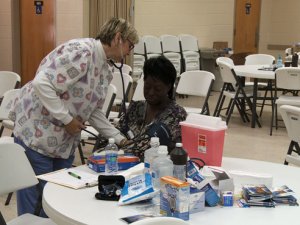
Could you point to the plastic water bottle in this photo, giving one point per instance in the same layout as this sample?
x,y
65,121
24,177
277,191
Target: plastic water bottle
x,y
162,166
179,158
150,154
279,62
111,157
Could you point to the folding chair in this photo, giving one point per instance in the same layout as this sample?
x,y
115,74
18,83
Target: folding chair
x,y
9,80
171,50
138,59
152,46
196,83
17,177
190,52
267,60
233,89
287,79
291,117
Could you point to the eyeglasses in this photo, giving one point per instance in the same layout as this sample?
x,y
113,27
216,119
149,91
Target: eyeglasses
x,y
131,45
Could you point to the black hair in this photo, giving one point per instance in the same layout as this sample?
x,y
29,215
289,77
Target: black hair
x,y
161,69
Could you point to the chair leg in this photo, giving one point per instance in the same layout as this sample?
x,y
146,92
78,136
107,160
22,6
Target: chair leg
x,y
290,150
8,198
81,154
1,130
263,103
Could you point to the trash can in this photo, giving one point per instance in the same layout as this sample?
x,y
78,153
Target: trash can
x,y
208,58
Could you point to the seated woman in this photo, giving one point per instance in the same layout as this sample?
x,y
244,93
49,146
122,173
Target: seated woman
x,y
159,115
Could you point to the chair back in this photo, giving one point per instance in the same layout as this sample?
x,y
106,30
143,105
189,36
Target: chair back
x,y
188,42
139,48
15,170
138,94
7,101
170,43
152,46
291,118
226,71
109,100
117,82
259,59
288,78
161,221
197,83
9,80
226,60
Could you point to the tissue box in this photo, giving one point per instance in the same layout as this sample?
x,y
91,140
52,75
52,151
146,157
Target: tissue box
x,y
97,163
174,197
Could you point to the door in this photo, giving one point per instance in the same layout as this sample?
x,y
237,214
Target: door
x,y
246,32
37,34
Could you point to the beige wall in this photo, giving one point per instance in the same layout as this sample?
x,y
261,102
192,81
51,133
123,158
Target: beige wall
x,y
5,36
208,20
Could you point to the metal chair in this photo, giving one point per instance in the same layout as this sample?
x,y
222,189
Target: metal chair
x,y
291,117
16,177
196,83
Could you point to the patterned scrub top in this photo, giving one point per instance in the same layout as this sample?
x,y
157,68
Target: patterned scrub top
x,y
71,81
171,117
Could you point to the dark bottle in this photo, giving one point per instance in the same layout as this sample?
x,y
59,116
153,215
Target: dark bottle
x,y
295,58
179,157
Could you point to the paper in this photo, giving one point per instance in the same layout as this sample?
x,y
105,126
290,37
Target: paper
x,y
62,177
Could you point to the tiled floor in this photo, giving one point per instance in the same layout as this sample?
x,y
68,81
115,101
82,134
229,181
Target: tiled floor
x,y
241,141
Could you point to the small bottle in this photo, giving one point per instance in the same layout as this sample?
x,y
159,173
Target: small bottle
x,y
179,157
111,157
279,62
162,166
150,154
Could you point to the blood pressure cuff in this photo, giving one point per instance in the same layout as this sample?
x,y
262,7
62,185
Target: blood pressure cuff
x,y
110,187
160,130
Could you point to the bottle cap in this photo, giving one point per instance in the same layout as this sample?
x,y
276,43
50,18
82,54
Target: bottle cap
x,y
111,140
179,145
163,150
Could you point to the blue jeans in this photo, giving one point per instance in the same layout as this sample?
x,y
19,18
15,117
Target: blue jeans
x,y
27,198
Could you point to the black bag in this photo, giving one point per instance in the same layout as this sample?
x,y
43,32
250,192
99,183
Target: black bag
x,y
110,187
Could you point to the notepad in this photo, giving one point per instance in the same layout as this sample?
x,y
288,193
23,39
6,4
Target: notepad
x,y
62,177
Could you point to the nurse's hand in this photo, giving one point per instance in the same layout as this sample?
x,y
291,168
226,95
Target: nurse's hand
x,y
75,126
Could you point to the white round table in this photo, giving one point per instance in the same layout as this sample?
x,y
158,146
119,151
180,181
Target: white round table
x,y
67,206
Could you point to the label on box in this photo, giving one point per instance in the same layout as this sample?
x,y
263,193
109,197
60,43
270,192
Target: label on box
x,y
202,143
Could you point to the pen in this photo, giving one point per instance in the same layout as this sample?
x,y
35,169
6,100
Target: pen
x,y
74,175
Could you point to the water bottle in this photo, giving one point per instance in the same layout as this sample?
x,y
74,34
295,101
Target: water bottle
x,y
179,158
150,154
111,157
162,166
279,62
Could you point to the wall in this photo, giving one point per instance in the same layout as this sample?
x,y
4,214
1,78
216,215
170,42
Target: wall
x,y
208,20
5,36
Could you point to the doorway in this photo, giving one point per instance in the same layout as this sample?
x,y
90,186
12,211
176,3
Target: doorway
x,y
246,26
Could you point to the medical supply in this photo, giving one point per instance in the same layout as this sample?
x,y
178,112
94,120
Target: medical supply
x,y
150,154
162,166
179,158
174,197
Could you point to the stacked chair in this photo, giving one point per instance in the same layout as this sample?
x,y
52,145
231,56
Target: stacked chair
x,y
171,50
